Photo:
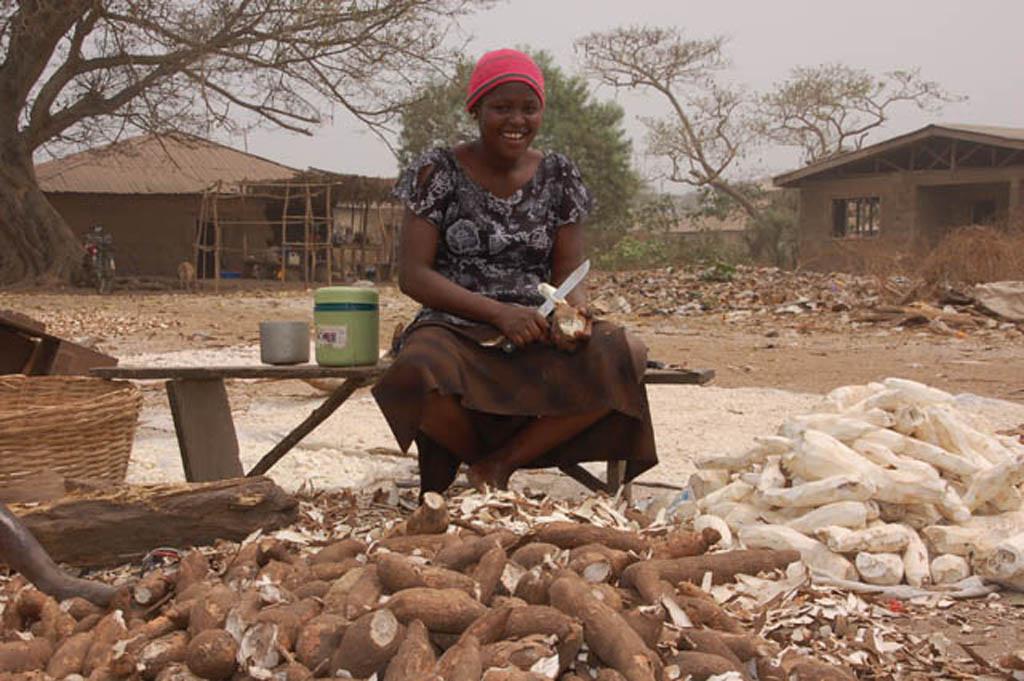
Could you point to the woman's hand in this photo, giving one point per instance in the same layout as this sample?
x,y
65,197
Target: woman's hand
x,y
521,325
570,327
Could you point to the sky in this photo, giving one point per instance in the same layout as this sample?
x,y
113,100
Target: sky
x,y
971,48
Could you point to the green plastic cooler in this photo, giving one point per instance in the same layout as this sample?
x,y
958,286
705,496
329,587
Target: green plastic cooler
x,y
347,326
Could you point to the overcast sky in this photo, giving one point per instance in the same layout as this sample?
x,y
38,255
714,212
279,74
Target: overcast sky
x,y
973,48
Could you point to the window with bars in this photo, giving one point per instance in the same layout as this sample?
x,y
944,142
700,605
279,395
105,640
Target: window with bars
x,y
857,217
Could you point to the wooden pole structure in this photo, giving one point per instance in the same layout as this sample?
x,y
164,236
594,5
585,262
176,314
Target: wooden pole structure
x,y
307,269
329,217
366,239
216,241
282,273
197,244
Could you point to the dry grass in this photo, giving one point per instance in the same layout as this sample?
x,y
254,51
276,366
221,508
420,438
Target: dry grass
x,y
975,254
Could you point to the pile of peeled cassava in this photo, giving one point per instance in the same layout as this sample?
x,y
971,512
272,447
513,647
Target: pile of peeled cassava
x,y
890,483
559,601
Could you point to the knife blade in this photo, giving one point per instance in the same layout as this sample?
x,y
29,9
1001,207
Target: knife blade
x,y
564,289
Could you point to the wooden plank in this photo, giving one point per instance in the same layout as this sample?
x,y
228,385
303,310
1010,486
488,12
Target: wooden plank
x,y
16,351
72,359
254,371
615,476
330,405
370,373
206,432
21,322
678,376
584,477
43,357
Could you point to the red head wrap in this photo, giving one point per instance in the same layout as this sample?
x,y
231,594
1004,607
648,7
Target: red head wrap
x,y
500,67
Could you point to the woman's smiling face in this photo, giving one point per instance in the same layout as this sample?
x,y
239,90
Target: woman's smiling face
x,y
509,117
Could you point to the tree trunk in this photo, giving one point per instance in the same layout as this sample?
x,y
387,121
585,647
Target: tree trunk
x,y
746,204
109,526
36,245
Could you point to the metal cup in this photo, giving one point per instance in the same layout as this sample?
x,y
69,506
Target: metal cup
x,y
284,342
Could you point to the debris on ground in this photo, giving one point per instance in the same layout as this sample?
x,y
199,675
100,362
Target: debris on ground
x,y
811,300
370,585
890,486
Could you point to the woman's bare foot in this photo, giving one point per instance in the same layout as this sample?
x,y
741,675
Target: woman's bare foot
x,y
488,474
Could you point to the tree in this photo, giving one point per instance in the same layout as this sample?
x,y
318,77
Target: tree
x,y
75,71
708,128
829,109
711,125
575,123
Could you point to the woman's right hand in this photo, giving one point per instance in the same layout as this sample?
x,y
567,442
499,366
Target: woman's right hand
x,y
521,325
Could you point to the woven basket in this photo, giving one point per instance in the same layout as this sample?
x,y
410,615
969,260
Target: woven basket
x,y
76,426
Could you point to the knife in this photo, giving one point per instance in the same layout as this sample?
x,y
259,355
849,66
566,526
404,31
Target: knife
x,y
548,306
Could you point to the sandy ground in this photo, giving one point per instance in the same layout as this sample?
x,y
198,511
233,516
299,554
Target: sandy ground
x,y
768,369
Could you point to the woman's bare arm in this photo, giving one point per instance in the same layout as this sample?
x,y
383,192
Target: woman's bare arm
x,y
566,256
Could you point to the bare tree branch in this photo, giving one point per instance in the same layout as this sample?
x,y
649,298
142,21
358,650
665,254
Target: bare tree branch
x,y
707,130
77,72
829,109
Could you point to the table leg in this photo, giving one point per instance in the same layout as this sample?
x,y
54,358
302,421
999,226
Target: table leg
x,y
330,405
205,429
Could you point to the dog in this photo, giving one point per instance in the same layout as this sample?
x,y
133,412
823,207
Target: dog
x,y
187,276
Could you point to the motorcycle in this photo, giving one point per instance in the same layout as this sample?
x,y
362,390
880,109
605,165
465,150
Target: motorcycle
x,y
99,265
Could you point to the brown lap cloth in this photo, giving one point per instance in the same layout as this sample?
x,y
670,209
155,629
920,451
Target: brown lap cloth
x,y
503,391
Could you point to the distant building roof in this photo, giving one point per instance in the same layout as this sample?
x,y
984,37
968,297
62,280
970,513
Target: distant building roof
x,y
152,164
980,134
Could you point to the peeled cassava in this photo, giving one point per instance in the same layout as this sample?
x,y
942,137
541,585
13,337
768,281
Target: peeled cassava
x,y
851,514
845,397
917,516
820,454
815,554
949,569
917,393
990,483
1005,563
771,445
771,476
736,490
885,569
915,560
843,428
957,436
878,539
819,492
960,541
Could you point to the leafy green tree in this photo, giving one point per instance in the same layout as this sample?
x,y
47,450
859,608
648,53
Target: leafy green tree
x,y
576,124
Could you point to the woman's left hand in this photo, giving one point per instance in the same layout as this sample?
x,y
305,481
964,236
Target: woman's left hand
x,y
570,327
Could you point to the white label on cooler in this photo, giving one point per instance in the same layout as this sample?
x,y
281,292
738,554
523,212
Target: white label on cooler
x,y
335,337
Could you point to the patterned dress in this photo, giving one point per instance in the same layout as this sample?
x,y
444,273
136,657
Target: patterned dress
x,y
498,247
502,248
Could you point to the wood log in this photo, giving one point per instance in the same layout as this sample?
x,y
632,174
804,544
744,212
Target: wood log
x,y
123,523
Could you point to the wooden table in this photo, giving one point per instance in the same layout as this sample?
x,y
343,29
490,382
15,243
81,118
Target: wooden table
x,y
206,429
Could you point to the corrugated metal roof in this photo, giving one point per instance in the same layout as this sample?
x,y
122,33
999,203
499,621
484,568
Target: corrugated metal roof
x,y
155,165
984,134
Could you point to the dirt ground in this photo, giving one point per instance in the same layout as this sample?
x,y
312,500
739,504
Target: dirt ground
x,y
779,352
796,354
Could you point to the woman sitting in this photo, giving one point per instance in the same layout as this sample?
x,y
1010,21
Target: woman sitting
x,y
485,223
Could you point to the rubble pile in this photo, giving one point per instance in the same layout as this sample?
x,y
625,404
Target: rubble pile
x,y
890,484
672,291
739,292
